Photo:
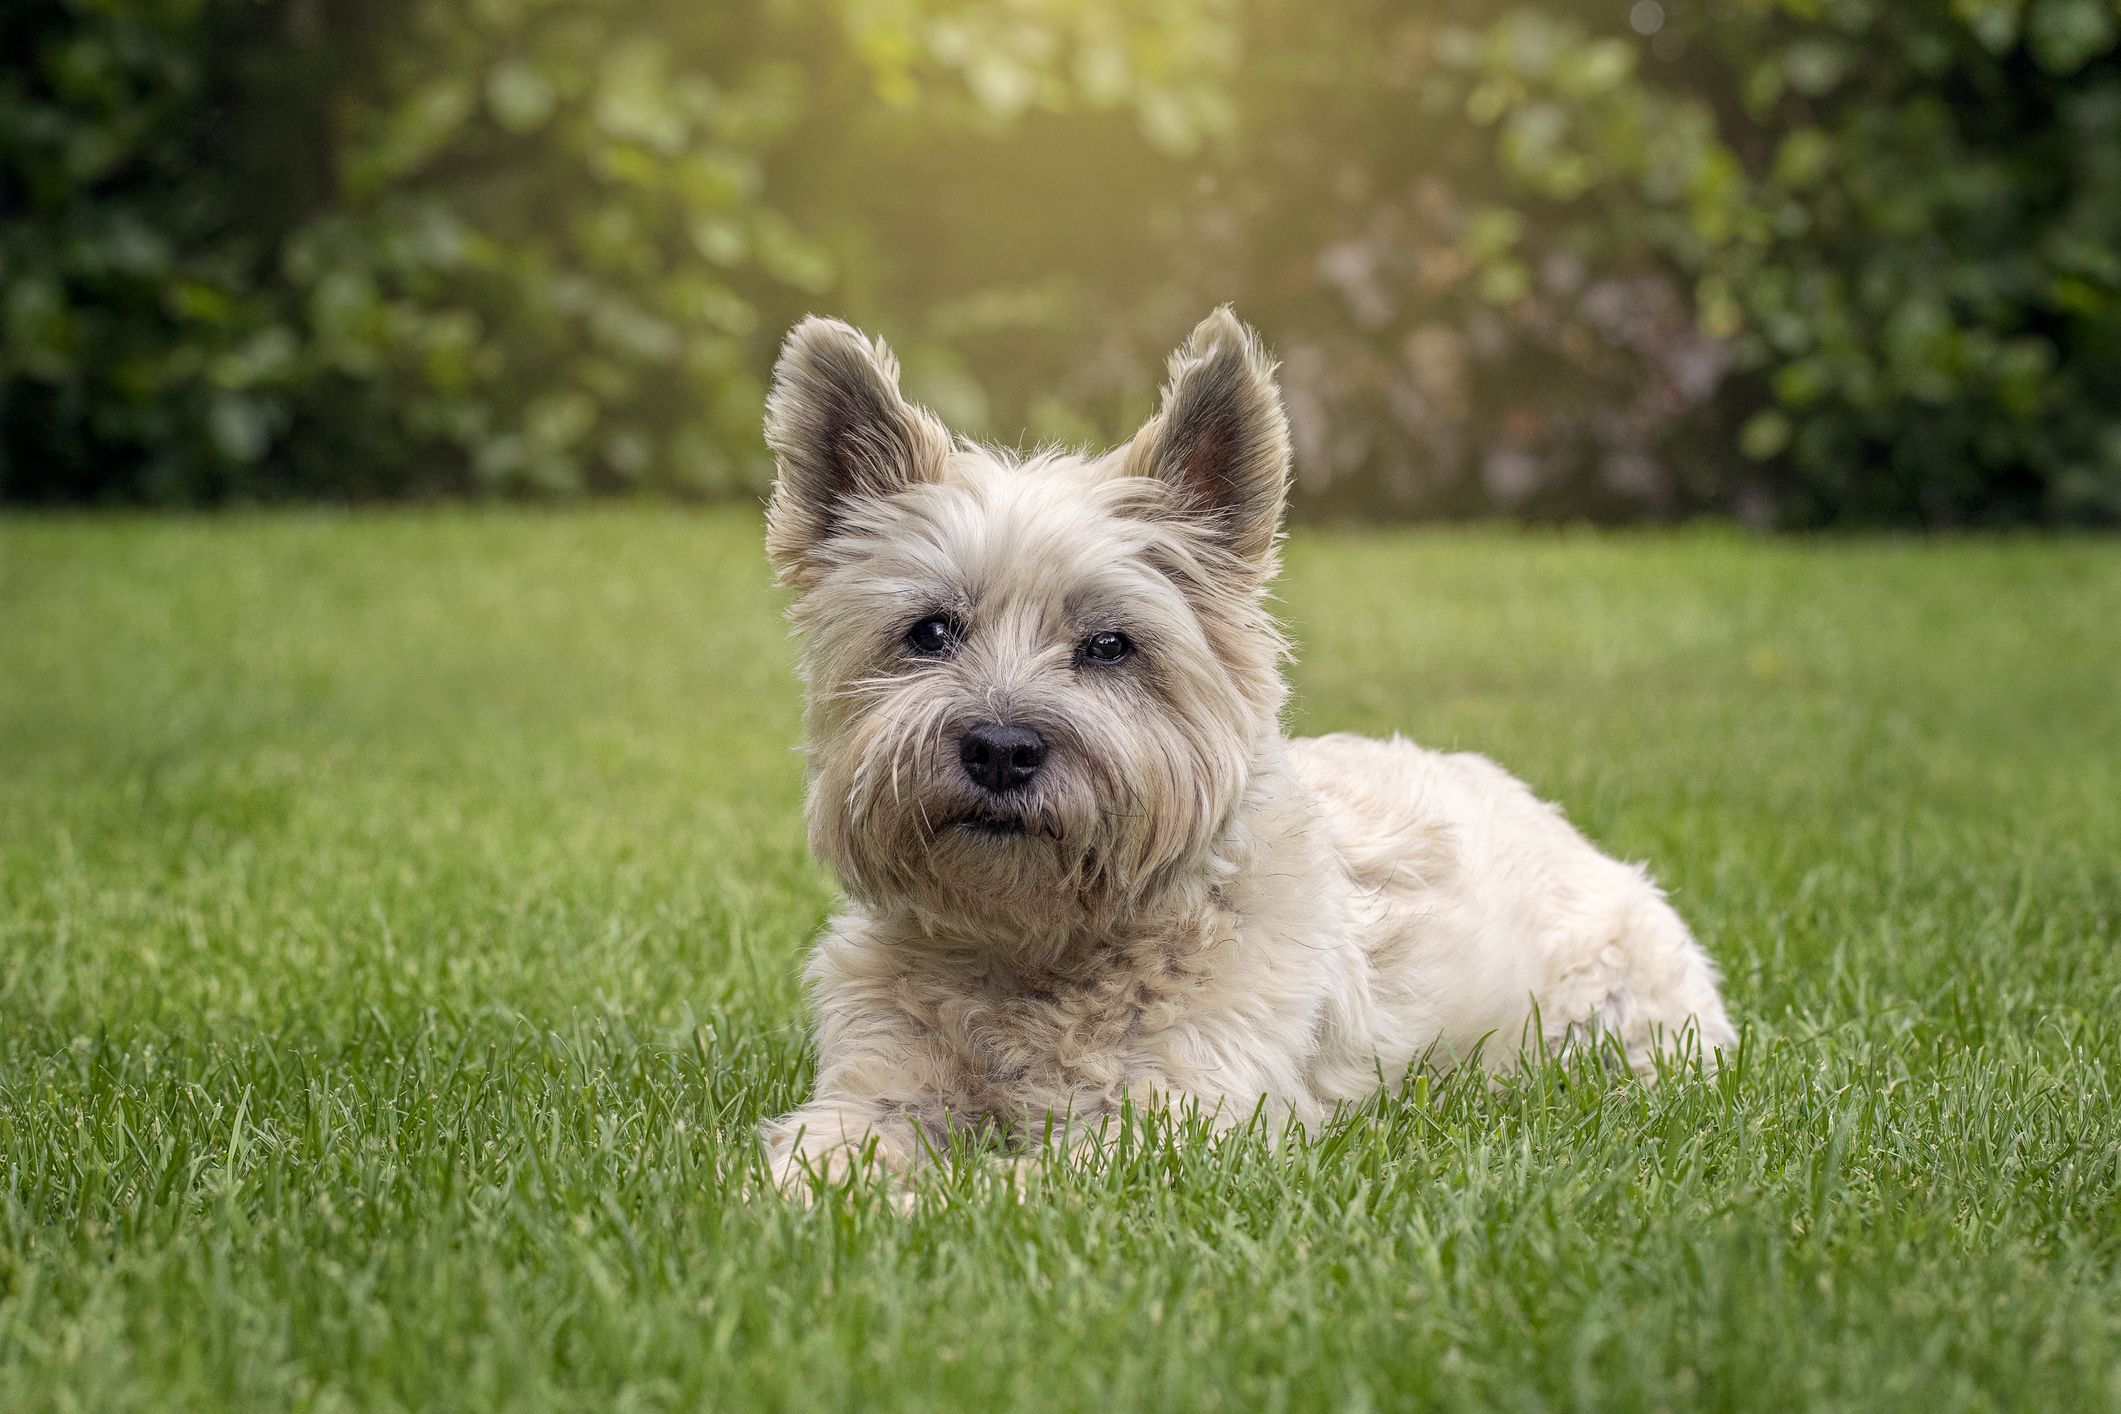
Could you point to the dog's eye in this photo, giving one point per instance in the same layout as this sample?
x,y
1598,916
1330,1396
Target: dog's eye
x,y
933,637
1106,647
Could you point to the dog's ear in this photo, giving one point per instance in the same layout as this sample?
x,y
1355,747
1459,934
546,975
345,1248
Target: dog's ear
x,y
1220,440
840,431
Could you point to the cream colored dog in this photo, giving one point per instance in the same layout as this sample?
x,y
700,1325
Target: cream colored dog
x,y
1083,864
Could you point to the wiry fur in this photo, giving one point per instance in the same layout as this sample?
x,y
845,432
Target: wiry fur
x,y
1198,909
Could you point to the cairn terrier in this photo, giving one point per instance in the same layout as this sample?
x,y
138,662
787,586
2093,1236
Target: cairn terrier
x,y
1083,865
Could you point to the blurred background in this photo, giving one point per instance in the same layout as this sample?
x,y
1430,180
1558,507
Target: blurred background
x,y
1793,262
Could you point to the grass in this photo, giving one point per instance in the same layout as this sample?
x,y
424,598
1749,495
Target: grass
x,y
398,920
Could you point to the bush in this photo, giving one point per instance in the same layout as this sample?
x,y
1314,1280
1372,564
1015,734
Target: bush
x,y
1804,261
372,249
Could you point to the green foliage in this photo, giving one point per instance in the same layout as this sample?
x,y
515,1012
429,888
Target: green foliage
x,y
1803,261
1926,254
1576,263
379,249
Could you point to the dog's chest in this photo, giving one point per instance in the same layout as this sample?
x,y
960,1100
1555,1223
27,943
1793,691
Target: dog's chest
x,y
1013,1044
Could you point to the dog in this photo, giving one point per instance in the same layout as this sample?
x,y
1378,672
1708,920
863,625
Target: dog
x,y
1084,868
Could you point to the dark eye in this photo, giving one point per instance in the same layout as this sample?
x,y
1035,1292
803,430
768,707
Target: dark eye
x,y
1106,647
933,637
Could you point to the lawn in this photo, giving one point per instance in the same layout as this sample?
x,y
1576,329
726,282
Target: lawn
x,y
398,927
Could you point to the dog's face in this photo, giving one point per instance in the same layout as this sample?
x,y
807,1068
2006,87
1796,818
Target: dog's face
x,y
1036,686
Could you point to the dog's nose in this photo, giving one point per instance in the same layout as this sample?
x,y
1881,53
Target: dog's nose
x,y
1001,757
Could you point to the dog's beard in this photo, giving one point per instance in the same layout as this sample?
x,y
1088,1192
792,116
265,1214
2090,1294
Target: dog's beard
x,y
1122,808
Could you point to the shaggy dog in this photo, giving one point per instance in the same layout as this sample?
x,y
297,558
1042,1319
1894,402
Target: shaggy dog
x,y
1083,864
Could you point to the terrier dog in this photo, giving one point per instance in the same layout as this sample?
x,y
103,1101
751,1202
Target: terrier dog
x,y
1083,865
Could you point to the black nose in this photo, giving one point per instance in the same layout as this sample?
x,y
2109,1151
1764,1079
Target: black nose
x,y
999,757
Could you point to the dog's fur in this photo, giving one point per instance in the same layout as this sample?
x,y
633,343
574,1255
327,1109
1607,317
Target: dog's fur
x,y
1192,908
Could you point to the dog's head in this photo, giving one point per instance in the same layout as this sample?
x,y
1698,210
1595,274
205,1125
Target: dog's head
x,y
1036,685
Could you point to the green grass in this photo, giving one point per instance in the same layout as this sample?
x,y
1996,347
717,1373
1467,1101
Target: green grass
x,y
398,922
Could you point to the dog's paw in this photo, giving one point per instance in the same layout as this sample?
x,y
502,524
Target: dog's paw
x,y
807,1176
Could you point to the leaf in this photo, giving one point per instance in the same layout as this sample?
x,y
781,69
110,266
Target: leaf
x,y
1993,22
1765,435
2065,35
240,427
520,98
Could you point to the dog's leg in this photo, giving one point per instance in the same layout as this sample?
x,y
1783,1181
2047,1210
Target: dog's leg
x,y
1085,1135
828,1138
1639,976
883,1099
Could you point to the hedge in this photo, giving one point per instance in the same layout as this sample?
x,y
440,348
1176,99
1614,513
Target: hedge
x,y
1803,262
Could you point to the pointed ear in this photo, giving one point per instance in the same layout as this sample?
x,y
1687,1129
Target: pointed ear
x,y
840,431
1220,440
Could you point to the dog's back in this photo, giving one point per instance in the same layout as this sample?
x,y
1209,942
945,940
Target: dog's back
x,y
1479,905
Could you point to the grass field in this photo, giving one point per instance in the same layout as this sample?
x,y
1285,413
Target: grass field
x,y
398,921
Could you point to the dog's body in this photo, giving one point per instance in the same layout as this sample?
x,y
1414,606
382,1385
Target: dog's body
x,y
1085,866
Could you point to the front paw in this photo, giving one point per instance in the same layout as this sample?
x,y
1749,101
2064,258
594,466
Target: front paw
x,y
816,1152
802,1172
